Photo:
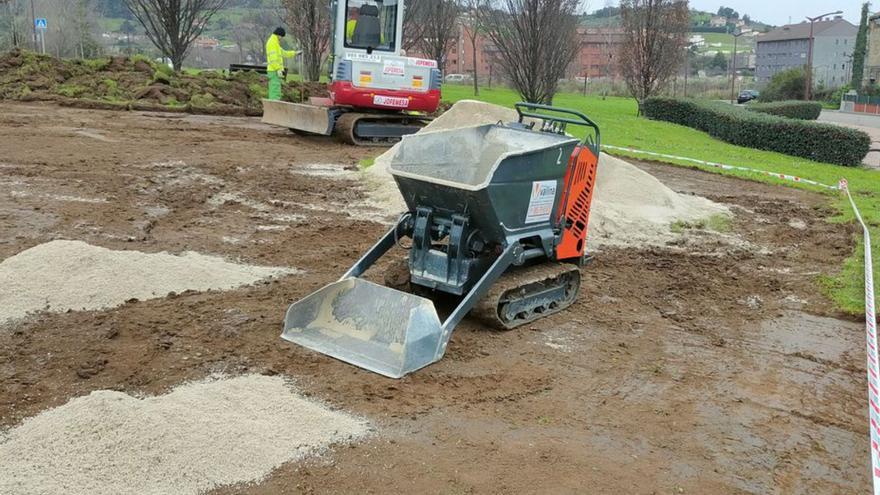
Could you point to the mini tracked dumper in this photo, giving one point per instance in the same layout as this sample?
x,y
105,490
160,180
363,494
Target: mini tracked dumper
x,y
497,217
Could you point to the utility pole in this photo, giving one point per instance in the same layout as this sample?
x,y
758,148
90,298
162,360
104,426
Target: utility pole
x,y
808,91
733,69
687,66
34,24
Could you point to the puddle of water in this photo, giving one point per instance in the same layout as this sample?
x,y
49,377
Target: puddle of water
x,y
94,135
272,228
156,211
58,197
263,210
326,170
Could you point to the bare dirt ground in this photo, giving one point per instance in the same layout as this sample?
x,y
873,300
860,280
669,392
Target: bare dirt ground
x,y
713,370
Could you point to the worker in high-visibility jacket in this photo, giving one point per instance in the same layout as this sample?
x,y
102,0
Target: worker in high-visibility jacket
x,y
351,23
275,56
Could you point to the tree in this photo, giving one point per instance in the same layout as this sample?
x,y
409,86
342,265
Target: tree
x,y
719,62
536,41
309,22
251,32
12,33
473,31
430,28
727,13
173,25
655,37
786,85
860,50
127,28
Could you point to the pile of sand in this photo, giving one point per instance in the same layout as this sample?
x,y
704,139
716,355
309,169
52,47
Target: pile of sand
x,y
72,275
630,207
197,437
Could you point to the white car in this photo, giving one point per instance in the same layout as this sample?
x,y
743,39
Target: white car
x,y
454,78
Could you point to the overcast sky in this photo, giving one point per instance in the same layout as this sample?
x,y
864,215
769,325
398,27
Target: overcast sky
x,y
777,12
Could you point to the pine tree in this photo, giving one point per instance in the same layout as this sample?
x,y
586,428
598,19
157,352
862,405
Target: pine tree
x,y
861,48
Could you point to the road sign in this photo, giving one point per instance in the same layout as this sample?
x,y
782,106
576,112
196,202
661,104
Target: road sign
x,y
41,23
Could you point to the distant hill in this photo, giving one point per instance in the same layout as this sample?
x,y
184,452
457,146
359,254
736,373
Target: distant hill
x,y
610,16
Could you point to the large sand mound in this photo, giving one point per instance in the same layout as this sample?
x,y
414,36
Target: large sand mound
x,y
197,437
630,207
72,275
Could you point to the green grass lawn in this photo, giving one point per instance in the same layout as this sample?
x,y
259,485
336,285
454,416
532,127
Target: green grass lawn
x,y
726,41
621,127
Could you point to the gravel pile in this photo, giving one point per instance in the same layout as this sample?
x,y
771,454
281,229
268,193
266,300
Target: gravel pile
x,y
630,207
197,437
72,275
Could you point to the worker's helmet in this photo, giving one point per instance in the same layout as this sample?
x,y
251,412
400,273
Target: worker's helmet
x,y
280,32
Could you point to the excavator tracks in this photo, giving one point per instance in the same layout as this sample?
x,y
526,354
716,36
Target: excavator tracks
x,y
525,294
370,129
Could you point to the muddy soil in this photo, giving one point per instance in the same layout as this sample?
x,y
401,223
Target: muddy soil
x,y
712,366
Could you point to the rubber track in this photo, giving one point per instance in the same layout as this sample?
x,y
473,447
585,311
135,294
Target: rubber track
x,y
516,278
347,122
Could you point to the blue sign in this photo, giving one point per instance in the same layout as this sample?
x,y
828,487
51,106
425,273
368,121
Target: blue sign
x,y
41,23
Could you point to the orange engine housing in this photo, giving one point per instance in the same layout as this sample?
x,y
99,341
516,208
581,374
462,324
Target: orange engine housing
x,y
580,180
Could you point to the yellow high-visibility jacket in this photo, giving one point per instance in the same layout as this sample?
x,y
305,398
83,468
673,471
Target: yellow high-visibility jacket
x,y
275,55
350,26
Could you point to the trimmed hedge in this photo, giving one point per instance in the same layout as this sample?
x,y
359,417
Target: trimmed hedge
x,y
821,142
793,109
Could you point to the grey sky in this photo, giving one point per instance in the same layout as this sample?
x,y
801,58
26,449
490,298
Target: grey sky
x,y
778,12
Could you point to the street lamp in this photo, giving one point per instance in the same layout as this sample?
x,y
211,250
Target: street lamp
x,y
733,67
687,65
809,88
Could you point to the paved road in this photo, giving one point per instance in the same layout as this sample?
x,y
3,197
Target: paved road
x,y
867,123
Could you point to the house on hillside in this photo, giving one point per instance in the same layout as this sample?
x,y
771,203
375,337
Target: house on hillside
x,y
718,21
787,47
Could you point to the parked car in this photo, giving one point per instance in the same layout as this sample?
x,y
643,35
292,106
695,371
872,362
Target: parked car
x,y
746,96
457,78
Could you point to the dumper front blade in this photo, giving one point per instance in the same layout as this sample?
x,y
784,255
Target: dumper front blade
x,y
368,325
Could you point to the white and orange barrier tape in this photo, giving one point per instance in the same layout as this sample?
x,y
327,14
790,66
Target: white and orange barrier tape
x,y
722,166
873,361
871,334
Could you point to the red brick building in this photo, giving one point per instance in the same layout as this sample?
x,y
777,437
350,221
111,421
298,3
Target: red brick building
x,y
598,54
460,58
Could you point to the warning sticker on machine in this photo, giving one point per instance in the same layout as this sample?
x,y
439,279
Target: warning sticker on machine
x,y
394,68
541,202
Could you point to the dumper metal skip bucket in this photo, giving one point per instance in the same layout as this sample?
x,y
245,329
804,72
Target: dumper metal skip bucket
x,y
375,327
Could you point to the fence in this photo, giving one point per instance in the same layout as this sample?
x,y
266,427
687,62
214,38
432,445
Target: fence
x,y
860,104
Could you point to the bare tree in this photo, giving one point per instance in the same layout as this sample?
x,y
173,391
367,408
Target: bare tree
x,y
536,41
430,25
173,25
473,30
413,28
251,32
655,37
12,32
309,22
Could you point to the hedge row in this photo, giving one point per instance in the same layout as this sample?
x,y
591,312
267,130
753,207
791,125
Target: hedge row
x,y
821,142
793,109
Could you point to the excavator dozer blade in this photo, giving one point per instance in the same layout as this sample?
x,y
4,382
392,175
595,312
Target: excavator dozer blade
x,y
298,116
368,325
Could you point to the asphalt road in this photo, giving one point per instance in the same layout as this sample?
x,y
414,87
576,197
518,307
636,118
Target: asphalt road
x,y
863,122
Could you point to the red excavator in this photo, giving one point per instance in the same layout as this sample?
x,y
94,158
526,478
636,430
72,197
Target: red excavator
x,y
377,95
